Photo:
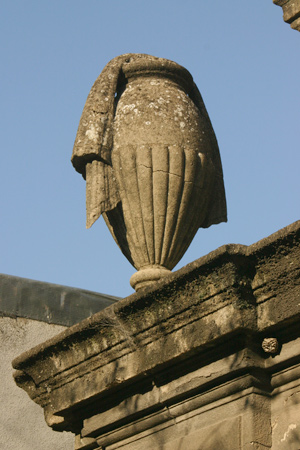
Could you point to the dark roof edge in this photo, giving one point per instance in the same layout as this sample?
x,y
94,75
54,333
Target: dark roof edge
x,y
47,302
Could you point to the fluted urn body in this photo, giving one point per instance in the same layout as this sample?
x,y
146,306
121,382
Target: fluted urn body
x,y
163,173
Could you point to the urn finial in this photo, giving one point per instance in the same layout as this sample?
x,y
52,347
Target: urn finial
x,y
148,152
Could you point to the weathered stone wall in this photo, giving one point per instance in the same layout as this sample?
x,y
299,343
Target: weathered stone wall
x,y
285,406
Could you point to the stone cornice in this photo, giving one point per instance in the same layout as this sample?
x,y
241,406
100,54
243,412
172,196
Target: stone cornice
x,y
222,304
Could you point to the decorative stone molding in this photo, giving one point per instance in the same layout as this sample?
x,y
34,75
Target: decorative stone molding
x,y
182,365
291,12
270,345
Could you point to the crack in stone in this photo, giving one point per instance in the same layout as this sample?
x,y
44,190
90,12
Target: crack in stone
x,y
291,395
164,171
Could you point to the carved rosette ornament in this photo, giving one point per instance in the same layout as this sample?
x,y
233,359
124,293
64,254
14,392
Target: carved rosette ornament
x,y
148,152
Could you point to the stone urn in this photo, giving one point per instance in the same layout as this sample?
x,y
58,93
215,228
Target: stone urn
x,y
148,152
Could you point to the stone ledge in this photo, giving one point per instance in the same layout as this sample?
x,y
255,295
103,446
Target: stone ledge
x,y
211,311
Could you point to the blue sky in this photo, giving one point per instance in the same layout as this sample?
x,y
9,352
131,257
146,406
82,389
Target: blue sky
x,y
245,61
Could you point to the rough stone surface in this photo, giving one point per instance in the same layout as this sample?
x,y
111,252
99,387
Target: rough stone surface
x,y
151,160
291,12
181,365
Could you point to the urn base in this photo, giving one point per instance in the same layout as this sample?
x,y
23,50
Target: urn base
x,y
148,276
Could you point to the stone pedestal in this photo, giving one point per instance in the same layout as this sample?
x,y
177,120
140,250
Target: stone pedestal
x,y
186,365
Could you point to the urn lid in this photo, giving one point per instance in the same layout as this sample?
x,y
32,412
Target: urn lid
x,y
145,65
